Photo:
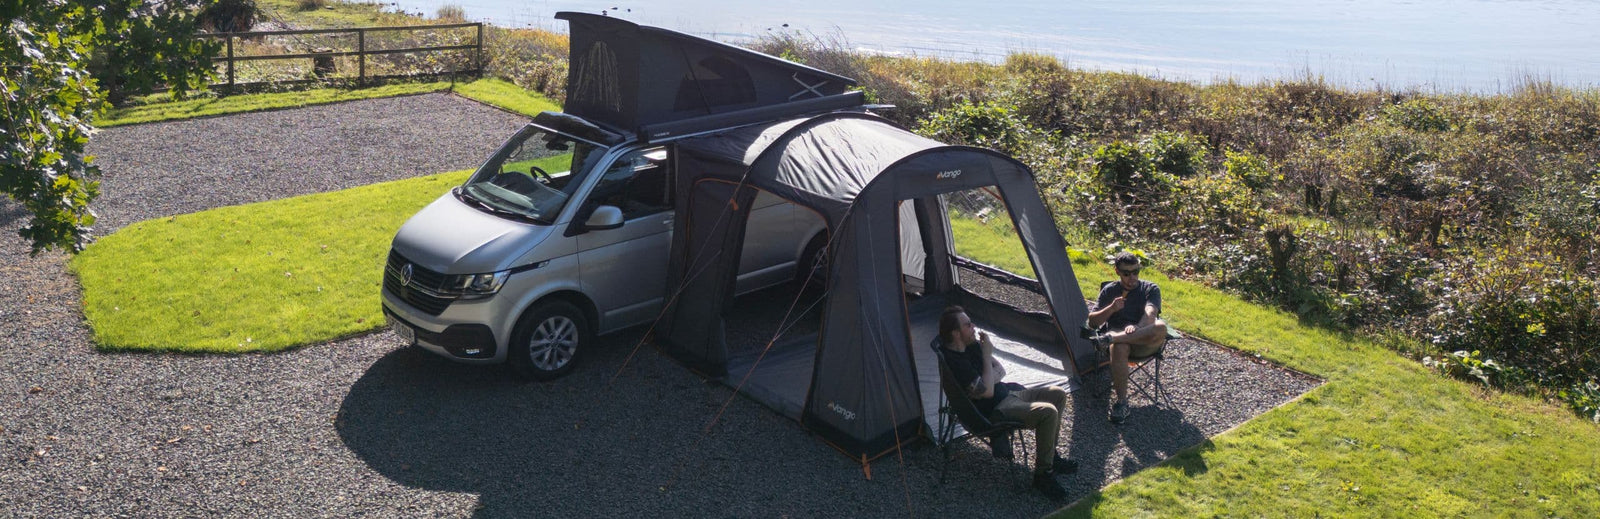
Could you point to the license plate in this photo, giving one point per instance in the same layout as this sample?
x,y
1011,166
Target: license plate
x,y
407,335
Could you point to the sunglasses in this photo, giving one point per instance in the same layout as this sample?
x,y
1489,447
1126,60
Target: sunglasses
x,y
1129,272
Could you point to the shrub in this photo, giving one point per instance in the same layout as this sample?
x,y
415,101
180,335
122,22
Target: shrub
x,y
1584,398
1024,63
977,124
1465,364
228,16
1565,208
307,5
1216,203
1176,153
1518,304
1122,166
1418,114
1383,160
1312,170
1250,170
1311,103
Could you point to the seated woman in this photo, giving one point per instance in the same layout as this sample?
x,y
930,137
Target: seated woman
x,y
970,356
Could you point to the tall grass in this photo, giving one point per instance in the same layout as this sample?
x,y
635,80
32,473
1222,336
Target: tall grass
x,y
451,13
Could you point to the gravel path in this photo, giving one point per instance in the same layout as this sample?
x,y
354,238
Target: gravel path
x,y
365,427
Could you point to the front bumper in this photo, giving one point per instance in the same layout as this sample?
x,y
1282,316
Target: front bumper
x,y
466,342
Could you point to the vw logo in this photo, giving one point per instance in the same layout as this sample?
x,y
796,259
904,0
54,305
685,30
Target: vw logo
x,y
405,275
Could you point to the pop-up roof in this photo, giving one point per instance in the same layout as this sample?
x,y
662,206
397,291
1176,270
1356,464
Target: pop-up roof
x,y
628,76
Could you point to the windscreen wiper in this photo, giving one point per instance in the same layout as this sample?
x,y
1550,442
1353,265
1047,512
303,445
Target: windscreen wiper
x,y
463,195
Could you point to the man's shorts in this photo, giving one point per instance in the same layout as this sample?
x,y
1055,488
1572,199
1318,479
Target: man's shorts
x,y
1139,350
1143,350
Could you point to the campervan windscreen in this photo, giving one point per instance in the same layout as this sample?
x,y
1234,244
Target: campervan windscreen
x,y
532,176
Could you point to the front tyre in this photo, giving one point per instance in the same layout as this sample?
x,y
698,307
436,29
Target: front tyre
x,y
812,267
548,340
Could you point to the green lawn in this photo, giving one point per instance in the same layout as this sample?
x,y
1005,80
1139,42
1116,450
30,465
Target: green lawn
x,y
257,277
493,92
1383,436
506,96
266,276
160,108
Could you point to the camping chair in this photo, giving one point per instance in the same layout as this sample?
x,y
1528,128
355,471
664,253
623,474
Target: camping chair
x,y
956,407
1144,373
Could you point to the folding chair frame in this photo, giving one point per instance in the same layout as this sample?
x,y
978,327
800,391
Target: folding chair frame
x,y
956,407
1150,384
1150,388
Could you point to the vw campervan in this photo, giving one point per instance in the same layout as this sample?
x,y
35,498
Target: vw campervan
x,y
562,235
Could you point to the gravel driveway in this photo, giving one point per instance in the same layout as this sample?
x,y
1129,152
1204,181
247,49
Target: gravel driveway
x,y
366,427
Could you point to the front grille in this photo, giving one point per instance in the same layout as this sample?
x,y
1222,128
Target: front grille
x,y
423,281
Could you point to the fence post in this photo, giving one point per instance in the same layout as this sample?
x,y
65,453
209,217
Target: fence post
x,y
480,49
230,63
361,56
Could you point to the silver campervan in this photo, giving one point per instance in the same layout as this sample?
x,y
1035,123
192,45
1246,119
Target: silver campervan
x,y
562,235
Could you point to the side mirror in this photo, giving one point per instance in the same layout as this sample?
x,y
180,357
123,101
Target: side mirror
x,y
604,218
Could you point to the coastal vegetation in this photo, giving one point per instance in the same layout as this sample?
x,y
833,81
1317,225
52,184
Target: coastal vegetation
x,y
1458,229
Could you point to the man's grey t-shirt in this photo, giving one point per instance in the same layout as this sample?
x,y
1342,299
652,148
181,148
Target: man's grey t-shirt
x,y
1133,302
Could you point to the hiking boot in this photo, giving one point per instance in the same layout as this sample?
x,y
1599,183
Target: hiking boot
x,y
1046,484
1000,445
1063,466
1119,412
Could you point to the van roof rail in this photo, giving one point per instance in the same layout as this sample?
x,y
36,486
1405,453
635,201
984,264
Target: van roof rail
x,y
673,130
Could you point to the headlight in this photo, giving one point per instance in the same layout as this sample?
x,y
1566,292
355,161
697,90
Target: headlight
x,y
474,286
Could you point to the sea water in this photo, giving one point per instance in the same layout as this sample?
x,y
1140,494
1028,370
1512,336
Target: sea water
x,y
1447,45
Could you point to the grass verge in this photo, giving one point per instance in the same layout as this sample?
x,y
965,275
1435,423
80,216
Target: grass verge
x,y
256,277
1384,436
493,92
333,14
506,96
160,108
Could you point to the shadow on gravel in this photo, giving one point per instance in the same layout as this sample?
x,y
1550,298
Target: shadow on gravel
x,y
1108,452
578,447
10,213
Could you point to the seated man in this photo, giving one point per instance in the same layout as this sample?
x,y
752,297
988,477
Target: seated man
x,y
1130,309
970,356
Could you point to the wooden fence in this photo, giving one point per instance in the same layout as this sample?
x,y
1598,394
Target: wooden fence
x,y
361,52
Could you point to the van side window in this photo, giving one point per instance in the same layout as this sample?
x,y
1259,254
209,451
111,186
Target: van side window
x,y
637,183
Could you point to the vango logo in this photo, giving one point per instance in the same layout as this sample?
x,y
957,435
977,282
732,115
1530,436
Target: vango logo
x,y
846,413
947,175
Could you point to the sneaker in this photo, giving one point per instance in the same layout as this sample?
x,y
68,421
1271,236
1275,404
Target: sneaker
x,y
1000,445
1046,484
1119,412
1063,466
1101,340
